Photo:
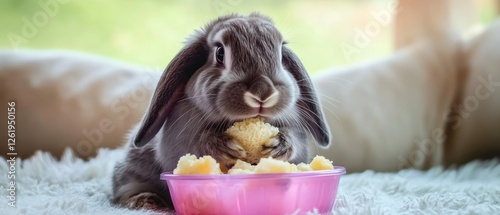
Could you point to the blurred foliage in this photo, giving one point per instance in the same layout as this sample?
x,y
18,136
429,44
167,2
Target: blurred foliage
x,y
150,32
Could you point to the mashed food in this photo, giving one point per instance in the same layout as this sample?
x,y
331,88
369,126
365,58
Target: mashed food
x,y
252,134
190,164
320,163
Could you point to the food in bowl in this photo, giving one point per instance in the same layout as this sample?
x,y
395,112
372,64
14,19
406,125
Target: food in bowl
x,y
200,186
190,164
276,193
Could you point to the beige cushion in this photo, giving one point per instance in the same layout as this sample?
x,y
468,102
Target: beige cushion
x,y
66,99
394,113
475,129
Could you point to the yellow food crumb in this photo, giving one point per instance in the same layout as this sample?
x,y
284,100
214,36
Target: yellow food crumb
x,y
251,134
302,167
243,165
190,164
239,171
321,163
269,165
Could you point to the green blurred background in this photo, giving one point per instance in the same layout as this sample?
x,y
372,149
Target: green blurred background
x,y
150,32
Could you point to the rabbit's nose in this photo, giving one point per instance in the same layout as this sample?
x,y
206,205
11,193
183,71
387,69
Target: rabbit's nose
x,y
261,93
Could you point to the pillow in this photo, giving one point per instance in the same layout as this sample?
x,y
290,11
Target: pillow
x,y
394,113
474,128
69,99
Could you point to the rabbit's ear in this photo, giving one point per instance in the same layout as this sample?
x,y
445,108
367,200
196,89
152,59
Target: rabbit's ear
x,y
308,102
170,88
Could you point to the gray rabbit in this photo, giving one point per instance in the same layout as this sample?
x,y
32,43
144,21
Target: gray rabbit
x,y
237,67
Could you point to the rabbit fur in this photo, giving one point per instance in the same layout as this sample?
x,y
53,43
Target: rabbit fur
x,y
237,67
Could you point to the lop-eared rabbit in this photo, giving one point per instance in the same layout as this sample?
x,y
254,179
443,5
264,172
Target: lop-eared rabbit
x,y
237,67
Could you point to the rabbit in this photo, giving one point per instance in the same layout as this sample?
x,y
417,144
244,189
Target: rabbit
x,y
236,67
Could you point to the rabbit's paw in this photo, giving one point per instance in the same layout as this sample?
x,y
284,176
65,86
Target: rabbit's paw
x,y
277,147
146,200
225,150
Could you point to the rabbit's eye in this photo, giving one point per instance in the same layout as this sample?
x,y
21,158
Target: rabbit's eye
x,y
219,54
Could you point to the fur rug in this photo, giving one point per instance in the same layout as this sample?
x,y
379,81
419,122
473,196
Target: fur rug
x,y
74,186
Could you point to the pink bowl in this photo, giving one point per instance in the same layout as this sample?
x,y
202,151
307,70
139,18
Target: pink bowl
x,y
289,193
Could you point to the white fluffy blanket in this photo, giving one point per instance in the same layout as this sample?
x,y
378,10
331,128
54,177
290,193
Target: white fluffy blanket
x,y
74,186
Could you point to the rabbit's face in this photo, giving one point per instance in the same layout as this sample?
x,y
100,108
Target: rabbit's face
x,y
236,67
243,75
